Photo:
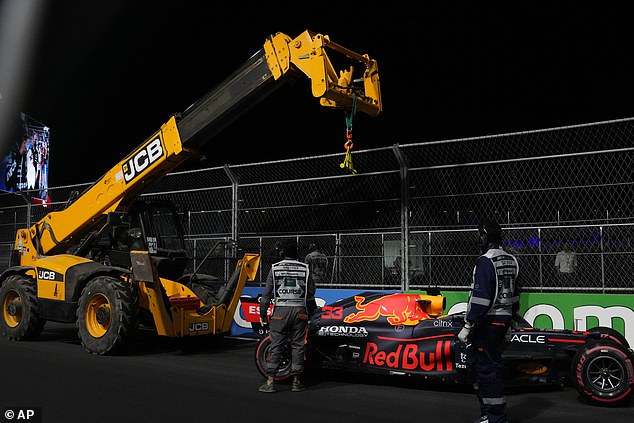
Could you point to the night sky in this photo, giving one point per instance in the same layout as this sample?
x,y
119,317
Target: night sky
x,y
107,74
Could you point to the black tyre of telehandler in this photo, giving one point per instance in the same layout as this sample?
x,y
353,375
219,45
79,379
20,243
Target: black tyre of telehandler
x,y
19,319
106,315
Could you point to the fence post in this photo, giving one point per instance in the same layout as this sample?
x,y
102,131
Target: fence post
x,y
337,259
540,254
234,210
402,162
602,260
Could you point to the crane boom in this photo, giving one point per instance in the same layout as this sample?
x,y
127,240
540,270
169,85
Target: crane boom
x,y
183,134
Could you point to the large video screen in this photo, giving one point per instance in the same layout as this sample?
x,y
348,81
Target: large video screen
x,y
25,168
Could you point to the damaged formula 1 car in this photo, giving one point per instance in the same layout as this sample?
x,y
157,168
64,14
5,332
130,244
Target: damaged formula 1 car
x,y
409,334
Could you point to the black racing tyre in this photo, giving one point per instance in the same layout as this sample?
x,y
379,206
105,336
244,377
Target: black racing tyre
x,y
106,315
263,354
19,318
603,374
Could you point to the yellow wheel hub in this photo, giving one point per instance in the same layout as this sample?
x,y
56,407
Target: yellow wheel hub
x,y
98,315
12,309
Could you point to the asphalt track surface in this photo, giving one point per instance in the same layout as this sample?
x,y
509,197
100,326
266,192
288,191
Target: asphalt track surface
x,y
160,380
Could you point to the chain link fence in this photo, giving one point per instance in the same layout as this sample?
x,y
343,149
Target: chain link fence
x,y
407,219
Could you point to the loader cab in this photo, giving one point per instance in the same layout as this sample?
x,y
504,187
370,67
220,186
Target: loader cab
x,y
119,248
153,226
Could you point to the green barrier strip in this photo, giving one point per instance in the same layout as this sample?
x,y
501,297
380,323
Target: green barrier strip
x,y
568,311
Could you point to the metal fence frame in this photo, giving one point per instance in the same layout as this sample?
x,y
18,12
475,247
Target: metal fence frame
x,y
423,198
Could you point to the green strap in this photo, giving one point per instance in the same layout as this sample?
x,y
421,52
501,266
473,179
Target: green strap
x,y
350,115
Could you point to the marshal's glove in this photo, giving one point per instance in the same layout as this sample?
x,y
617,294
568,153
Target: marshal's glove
x,y
264,323
264,317
311,306
465,331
